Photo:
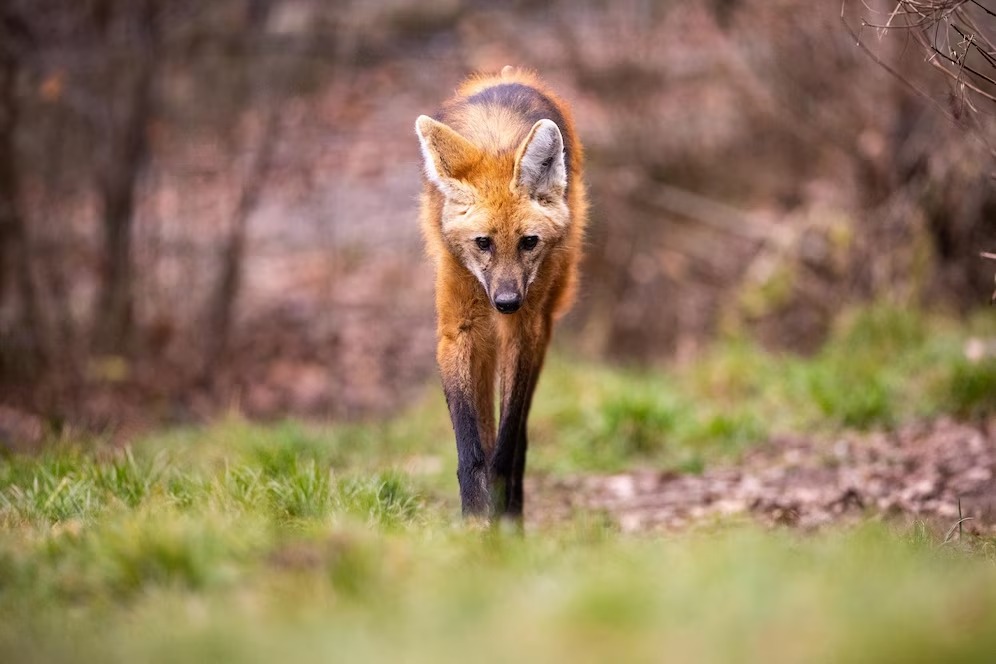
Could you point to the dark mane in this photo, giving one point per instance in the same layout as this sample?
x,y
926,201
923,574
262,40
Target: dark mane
x,y
523,100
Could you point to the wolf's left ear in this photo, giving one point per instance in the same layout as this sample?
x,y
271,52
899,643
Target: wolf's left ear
x,y
448,156
540,168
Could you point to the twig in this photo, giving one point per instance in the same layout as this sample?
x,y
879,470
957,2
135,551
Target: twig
x,y
887,67
957,526
932,24
962,66
960,519
983,8
972,43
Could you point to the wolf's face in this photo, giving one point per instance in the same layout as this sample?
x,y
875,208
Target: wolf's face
x,y
502,215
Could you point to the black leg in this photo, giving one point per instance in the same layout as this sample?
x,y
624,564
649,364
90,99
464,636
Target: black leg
x,y
509,462
471,465
516,500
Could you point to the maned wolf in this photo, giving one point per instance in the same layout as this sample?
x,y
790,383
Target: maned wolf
x,y
503,215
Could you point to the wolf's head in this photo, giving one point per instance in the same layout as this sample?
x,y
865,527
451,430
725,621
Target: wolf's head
x,y
502,213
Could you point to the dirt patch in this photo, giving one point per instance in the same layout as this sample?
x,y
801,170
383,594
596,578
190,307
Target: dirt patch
x,y
919,471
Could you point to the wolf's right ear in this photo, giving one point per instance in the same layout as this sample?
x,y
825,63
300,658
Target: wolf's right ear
x,y
448,156
540,166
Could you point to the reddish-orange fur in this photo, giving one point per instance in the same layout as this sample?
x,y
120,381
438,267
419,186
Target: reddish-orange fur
x,y
476,343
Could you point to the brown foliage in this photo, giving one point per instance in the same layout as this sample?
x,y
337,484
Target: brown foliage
x,y
244,171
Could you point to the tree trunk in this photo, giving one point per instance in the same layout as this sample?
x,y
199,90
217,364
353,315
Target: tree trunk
x,y
16,276
126,157
221,304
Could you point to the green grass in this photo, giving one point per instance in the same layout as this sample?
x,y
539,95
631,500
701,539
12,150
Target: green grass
x,y
164,555
881,367
247,542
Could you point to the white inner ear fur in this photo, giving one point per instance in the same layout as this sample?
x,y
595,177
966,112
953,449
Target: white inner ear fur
x,y
423,125
434,170
542,170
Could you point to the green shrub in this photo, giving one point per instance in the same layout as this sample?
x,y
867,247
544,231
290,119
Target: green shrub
x,y
971,388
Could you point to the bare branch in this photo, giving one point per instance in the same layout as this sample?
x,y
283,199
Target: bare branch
x,y
887,67
956,39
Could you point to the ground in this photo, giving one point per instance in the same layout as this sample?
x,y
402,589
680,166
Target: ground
x,y
940,472
743,507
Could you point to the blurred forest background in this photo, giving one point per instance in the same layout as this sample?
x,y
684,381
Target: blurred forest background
x,y
207,205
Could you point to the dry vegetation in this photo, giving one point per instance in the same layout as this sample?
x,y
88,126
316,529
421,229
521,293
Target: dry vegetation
x,y
207,206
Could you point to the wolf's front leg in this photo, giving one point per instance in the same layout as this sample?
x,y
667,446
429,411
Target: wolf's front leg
x,y
521,363
466,364
471,460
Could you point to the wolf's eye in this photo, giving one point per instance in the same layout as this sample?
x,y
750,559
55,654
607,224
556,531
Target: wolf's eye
x,y
483,243
529,242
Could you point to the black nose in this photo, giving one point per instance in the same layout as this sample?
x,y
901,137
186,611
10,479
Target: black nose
x,y
508,302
